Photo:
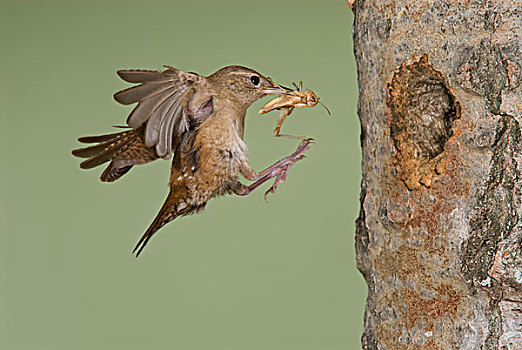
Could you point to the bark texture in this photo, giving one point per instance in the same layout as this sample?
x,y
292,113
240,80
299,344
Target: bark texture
x,y
439,237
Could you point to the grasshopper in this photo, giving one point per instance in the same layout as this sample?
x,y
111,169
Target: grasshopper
x,y
289,100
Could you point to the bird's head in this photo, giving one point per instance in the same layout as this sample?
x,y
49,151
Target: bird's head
x,y
243,85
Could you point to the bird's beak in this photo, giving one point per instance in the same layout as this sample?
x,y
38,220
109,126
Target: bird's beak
x,y
276,89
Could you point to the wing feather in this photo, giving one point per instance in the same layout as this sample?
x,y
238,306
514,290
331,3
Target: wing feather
x,y
163,100
143,76
172,116
145,108
141,92
99,138
153,125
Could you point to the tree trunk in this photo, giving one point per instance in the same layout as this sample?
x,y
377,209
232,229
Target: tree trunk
x,y
439,237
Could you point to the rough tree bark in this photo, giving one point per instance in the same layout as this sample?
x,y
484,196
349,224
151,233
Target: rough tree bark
x,y
439,237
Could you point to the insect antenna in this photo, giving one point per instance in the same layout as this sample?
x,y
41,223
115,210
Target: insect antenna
x,y
324,106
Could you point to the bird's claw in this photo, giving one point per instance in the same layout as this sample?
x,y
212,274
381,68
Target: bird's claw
x,y
279,179
277,171
305,144
280,172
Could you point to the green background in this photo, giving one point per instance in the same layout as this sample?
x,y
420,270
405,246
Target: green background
x,y
242,275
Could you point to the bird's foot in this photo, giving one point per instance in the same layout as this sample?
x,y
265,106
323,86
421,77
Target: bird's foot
x,y
279,170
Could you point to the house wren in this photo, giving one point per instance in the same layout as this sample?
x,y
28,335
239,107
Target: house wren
x,y
200,122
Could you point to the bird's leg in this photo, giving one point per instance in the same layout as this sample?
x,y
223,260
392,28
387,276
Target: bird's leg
x,y
278,170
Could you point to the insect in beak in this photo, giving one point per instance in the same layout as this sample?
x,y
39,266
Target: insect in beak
x,y
277,89
287,102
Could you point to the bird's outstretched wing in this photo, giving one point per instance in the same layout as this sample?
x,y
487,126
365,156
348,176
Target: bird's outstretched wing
x,y
162,105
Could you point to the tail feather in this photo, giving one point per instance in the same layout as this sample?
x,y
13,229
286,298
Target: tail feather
x,y
166,214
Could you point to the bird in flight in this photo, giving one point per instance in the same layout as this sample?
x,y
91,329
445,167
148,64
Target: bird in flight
x,y
198,122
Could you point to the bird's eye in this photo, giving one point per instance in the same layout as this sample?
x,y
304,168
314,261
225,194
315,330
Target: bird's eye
x,y
255,80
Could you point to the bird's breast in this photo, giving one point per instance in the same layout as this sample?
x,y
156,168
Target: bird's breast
x,y
212,160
